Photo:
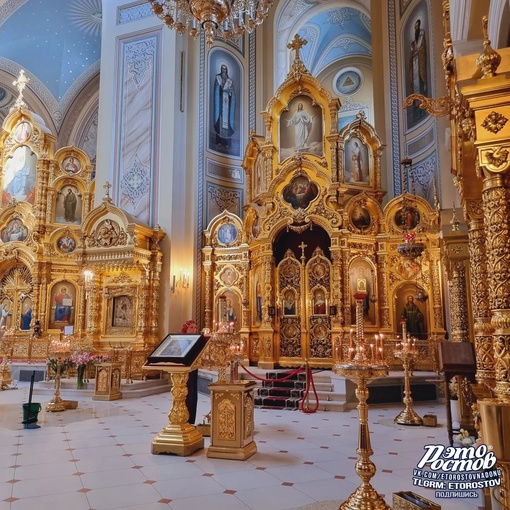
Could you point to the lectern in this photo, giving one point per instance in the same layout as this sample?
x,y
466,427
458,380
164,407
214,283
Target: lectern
x,y
456,358
177,354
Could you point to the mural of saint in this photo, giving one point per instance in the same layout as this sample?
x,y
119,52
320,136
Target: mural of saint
x,y
360,218
5,315
122,311
300,192
361,281
407,218
228,277
20,176
224,107
301,128
415,319
416,66
289,304
227,233
63,303
356,168
319,306
22,132
14,231
69,206
71,165
26,314
66,244
225,125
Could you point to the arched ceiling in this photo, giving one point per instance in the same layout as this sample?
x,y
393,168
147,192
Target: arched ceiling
x,y
336,31
333,35
57,42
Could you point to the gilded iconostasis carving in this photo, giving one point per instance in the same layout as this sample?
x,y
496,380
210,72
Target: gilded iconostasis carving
x,y
314,230
59,256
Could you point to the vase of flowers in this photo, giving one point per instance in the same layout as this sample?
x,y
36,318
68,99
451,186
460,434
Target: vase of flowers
x,y
80,377
80,360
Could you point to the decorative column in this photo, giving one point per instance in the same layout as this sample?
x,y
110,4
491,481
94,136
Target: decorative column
x,y
156,287
143,306
207,265
484,348
266,359
383,287
347,294
496,199
486,100
94,300
438,322
458,300
82,306
336,287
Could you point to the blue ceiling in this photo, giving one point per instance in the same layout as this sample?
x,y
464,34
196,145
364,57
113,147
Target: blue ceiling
x,y
55,40
333,35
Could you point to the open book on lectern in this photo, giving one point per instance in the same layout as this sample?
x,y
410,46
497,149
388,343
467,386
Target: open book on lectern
x,y
178,349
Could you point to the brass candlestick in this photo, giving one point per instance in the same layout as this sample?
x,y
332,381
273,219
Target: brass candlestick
x,y
221,350
408,353
58,349
363,369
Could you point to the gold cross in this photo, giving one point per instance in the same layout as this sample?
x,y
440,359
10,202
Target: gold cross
x,y
296,44
20,84
107,187
302,246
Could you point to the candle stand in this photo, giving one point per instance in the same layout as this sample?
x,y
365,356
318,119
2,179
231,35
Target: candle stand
x,y
58,349
408,353
232,402
363,365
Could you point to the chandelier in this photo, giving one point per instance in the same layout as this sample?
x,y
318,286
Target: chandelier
x,y
218,18
410,249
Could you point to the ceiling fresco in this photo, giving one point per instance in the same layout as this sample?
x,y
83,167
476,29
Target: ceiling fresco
x,y
55,41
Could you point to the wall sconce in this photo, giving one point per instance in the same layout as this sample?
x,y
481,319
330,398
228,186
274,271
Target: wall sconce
x,y
182,282
332,310
271,311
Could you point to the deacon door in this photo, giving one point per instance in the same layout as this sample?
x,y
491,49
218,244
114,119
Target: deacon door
x,y
303,322
16,299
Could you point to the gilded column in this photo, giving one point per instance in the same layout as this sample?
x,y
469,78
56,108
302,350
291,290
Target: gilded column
x,y
143,307
336,291
346,291
206,265
245,268
383,293
438,322
81,327
496,196
458,301
480,302
45,276
156,288
266,348
94,302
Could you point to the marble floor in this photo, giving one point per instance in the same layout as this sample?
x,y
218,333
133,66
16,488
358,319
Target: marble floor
x,y
97,457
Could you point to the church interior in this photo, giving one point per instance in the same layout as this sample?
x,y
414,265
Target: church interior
x,y
321,185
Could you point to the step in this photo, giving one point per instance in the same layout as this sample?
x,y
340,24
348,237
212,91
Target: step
x,y
136,389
